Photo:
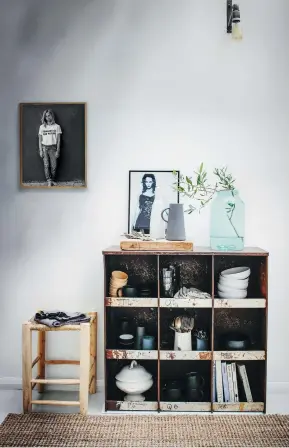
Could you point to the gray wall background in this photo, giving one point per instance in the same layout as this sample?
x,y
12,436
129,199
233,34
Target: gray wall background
x,y
166,89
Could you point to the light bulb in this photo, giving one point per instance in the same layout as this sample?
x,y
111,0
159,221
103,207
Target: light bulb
x,y
236,31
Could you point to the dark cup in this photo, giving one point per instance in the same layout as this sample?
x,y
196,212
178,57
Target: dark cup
x,y
145,292
194,394
194,380
173,391
125,326
127,291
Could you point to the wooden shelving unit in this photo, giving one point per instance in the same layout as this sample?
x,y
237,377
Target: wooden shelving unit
x,y
199,268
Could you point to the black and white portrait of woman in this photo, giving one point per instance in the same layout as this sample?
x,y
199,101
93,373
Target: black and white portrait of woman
x,y
49,145
53,145
149,194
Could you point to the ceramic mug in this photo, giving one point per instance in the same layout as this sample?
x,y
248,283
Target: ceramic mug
x,y
127,291
148,342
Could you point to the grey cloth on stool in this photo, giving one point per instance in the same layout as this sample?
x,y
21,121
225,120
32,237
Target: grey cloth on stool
x,y
60,318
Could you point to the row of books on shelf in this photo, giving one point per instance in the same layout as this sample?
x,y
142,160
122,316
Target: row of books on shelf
x,y
228,378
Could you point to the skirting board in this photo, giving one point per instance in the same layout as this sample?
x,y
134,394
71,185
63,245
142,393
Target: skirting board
x,y
13,383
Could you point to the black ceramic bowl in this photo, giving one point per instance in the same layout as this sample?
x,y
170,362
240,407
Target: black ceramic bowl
x,y
126,341
236,341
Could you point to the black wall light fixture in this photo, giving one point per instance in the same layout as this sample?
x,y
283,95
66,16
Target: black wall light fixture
x,y
233,20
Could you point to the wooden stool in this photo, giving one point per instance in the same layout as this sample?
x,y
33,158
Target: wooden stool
x,y
87,380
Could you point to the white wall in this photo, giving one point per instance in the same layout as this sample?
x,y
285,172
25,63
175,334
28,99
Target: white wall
x,y
166,88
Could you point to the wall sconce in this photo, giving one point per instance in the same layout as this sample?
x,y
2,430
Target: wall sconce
x,y
233,20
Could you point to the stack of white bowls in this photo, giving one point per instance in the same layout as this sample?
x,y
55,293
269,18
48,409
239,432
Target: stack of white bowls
x,y
233,283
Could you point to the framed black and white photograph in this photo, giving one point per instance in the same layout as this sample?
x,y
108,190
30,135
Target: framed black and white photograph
x,y
53,145
150,192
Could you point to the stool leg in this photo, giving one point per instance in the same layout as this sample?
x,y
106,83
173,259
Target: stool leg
x,y
41,362
93,349
26,367
84,366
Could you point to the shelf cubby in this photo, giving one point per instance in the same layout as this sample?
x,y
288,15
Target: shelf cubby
x,y
202,319
135,316
113,367
256,372
249,322
141,271
191,270
257,287
178,371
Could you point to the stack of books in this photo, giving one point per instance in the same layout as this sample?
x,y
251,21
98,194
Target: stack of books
x,y
228,377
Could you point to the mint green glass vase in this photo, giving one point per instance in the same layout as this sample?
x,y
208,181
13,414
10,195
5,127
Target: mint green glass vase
x,y
227,221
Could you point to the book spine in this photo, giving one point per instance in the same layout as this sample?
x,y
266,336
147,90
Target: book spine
x,y
219,382
225,383
244,377
214,382
235,384
230,382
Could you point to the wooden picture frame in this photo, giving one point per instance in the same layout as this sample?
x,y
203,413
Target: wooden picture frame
x,y
53,141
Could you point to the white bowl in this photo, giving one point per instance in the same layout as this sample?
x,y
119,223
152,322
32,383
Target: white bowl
x,y
228,282
237,294
240,273
229,290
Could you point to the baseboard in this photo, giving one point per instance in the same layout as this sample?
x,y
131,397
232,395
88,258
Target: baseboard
x,y
14,383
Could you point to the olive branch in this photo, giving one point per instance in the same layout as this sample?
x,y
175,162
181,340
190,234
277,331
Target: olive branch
x,y
202,192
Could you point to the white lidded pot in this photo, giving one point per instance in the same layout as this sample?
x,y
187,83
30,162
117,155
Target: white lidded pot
x,y
134,380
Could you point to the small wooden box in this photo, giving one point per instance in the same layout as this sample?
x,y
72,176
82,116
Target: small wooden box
x,y
139,245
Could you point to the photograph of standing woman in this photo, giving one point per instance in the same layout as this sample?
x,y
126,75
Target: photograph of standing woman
x,y
49,145
149,194
146,200
53,145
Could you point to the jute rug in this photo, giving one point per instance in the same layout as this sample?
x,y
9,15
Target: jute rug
x,y
54,430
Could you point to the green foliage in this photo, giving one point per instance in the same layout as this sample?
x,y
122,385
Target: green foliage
x,y
226,181
199,190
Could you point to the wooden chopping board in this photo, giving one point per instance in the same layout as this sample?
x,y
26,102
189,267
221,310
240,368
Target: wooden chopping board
x,y
138,245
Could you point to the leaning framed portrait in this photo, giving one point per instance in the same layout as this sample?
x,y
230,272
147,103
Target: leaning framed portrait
x,y
150,192
53,145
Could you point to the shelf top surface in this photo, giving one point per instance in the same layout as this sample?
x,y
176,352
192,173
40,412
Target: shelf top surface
x,y
198,250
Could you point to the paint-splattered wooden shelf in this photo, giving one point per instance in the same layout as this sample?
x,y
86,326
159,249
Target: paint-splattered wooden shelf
x,y
131,354
239,303
239,407
175,406
131,302
200,268
239,355
185,303
170,355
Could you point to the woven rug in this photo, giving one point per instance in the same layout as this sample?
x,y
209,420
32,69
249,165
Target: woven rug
x,y
67,430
